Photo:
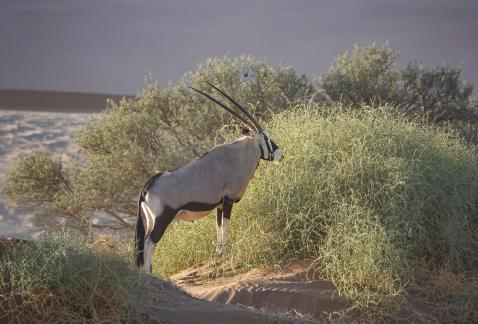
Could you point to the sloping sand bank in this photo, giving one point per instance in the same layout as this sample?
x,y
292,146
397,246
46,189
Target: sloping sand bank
x,y
295,291
172,305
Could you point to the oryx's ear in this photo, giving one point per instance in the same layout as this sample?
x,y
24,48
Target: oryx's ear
x,y
245,131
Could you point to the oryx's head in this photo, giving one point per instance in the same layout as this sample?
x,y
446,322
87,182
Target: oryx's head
x,y
269,150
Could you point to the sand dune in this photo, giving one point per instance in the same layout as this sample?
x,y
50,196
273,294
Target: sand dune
x,y
170,304
55,101
23,132
295,291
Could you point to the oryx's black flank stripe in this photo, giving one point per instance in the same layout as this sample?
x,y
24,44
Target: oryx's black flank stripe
x,y
198,206
162,221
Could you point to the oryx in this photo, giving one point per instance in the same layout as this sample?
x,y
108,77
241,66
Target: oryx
x,y
217,180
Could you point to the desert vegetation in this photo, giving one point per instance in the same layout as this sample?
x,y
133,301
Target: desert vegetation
x,y
64,279
377,202
379,188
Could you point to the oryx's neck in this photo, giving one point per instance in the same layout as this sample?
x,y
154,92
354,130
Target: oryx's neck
x,y
245,157
251,149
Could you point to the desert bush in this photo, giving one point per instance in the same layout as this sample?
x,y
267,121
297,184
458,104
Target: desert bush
x,y
439,92
64,280
39,180
34,180
368,75
370,196
254,83
160,129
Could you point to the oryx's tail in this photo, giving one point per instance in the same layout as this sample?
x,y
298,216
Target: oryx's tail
x,y
139,234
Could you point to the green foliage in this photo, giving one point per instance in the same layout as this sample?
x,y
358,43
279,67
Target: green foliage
x,y
372,198
438,92
34,180
157,130
65,280
368,75
254,83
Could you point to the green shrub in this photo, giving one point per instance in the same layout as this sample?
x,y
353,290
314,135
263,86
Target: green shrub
x,y
365,75
34,180
368,75
438,92
369,196
65,280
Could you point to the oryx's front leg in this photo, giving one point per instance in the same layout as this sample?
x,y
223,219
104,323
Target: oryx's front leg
x,y
222,221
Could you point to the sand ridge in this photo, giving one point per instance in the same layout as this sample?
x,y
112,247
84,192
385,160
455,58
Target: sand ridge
x,y
295,290
56,101
171,304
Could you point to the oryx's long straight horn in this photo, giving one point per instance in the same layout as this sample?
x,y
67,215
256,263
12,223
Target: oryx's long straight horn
x,y
256,124
223,106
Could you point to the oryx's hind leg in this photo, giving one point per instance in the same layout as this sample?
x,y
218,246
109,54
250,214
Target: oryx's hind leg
x,y
219,247
148,255
148,246
222,223
160,224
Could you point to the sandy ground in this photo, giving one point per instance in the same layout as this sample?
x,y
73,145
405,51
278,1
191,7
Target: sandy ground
x,y
170,304
295,290
23,132
55,101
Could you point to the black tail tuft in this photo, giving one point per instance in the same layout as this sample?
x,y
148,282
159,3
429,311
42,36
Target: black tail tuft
x,y
139,238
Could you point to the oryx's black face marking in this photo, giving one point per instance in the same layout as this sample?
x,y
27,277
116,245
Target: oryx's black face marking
x,y
269,149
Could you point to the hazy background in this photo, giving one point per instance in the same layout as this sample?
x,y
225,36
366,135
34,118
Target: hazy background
x,y
110,45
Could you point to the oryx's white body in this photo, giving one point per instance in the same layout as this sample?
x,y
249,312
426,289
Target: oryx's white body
x,y
216,180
